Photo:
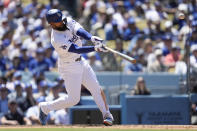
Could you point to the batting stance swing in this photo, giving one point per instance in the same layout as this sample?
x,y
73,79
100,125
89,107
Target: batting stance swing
x,y
65,38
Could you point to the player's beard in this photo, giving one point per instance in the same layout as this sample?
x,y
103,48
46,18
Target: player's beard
x,y
63,28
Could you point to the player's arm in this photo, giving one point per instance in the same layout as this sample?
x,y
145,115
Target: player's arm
x,y
84,34
87,36
86,49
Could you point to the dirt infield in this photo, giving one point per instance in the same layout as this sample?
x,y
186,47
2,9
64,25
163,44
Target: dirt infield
x,y
165,127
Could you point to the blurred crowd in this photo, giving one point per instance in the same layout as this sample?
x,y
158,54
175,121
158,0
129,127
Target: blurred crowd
x,y
157,33
19,100
154,32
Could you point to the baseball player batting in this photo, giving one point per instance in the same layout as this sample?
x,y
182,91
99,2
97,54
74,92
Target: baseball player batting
x,y
65,38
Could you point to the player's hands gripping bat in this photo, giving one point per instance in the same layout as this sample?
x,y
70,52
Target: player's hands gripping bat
x,y
100,48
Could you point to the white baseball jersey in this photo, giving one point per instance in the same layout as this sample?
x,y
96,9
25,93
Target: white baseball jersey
x,y
62,40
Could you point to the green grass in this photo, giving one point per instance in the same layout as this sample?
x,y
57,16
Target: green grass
x,y
84,129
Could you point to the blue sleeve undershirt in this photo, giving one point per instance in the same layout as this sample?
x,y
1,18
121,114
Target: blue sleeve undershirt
x,y
76,49
84,34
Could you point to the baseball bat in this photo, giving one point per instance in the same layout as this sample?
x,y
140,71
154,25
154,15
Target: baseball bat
x,y
126,57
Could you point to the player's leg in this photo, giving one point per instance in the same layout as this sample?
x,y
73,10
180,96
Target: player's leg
x,y
89,80
73,87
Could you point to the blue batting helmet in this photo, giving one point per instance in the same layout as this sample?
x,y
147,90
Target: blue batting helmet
x,y
54,15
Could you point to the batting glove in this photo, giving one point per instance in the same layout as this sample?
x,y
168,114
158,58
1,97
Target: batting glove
x,y
96,40
100,48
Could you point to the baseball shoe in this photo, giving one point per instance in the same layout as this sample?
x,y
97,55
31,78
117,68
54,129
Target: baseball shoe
x,y
42,117
108,120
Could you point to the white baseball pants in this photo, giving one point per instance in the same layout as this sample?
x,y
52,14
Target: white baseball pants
x,y
75,74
